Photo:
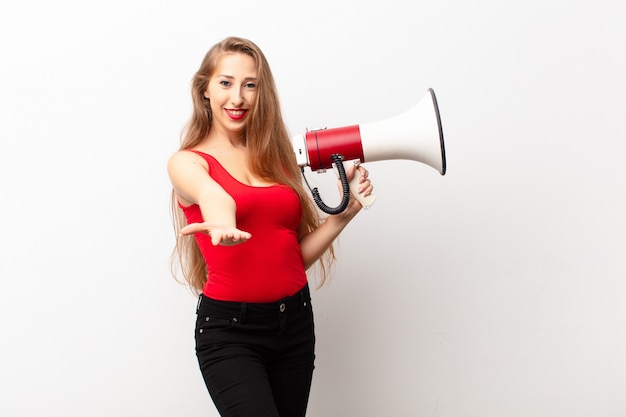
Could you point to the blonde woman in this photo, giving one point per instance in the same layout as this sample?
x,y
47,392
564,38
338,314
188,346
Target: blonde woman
x,y
248,232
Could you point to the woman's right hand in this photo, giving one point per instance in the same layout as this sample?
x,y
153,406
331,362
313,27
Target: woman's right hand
x,y
225,236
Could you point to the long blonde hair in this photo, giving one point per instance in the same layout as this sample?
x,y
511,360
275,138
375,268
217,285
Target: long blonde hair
x,y
270,155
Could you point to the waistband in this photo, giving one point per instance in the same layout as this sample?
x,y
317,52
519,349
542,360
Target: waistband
x,y
251,311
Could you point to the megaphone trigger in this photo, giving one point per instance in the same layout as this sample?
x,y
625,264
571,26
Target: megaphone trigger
x,y
355,182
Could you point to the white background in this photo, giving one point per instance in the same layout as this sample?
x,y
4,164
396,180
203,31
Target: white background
x,y
496,290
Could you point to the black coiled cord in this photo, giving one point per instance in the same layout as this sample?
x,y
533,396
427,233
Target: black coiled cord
x,y
345,186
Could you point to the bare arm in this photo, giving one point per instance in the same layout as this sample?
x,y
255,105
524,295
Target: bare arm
x,y
192,184
314,244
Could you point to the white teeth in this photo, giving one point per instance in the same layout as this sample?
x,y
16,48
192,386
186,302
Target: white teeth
x,y
236,112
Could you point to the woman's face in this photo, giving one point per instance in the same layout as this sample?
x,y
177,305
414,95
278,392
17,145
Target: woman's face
x,y
232,91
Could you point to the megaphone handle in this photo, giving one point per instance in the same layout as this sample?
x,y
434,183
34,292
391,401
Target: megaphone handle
x,y
366,201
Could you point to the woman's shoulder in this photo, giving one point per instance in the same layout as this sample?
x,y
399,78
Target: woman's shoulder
x,y
185,157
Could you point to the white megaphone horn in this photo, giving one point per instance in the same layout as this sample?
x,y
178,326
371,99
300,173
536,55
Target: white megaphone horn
x,y
414,135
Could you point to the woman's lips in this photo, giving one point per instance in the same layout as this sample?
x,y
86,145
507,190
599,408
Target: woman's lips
x,y
236,114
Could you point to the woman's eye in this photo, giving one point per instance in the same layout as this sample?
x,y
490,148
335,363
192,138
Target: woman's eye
x,y
250,85
225,83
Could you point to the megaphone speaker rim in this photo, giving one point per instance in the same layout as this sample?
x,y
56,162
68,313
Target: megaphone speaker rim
x,y
441,143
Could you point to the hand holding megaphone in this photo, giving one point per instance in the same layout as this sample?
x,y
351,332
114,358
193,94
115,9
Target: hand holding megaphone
x,y
414,135
355,183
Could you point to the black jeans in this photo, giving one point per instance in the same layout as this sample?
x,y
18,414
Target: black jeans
x,y
257,359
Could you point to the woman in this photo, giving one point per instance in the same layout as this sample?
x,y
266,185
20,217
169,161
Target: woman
x,y
248,232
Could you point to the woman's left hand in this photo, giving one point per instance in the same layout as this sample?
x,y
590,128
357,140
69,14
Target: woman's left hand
x,y
365,188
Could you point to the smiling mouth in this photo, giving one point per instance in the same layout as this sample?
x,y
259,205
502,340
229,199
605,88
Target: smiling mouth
x,y
236,114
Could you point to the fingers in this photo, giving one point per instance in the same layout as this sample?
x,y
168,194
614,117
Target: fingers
x,y
364,172
365,185
229,238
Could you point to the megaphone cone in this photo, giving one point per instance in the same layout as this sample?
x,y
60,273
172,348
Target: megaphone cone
x,y
414,135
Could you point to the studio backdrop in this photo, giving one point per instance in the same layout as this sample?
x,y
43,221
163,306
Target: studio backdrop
x,y
497,289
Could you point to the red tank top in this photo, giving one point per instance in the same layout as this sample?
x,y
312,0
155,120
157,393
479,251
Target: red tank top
x,y
267,267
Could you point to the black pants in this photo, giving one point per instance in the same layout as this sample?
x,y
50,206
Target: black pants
x,y
256,359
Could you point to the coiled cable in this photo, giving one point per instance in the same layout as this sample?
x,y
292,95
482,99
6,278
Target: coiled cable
x,y
345,187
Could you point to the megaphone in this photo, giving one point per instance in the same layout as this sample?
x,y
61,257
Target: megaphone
x,y
414,135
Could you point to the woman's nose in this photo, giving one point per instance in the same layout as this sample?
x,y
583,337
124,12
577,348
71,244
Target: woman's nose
x,y
237,97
